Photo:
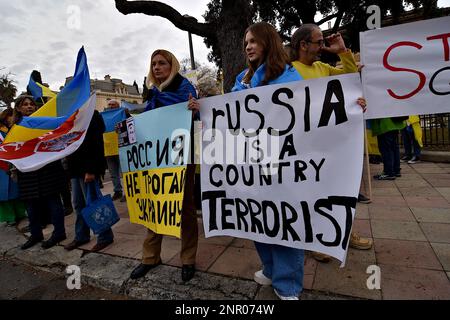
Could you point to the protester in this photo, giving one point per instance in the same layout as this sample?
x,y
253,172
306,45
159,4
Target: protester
x,y
412,140
114,164
40,190
386,130
12,210
85,167
268,63
168,87
308,44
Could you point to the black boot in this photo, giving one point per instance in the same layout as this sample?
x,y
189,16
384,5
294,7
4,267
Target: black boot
x,y
187,272
31,242
142,269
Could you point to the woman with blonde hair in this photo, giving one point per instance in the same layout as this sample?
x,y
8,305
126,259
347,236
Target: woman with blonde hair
x,y
168,87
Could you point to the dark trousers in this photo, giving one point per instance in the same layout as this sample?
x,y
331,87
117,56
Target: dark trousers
x,y
409,141
390,152
37,208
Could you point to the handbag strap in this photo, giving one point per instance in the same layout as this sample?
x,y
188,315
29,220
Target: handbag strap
x,y
92,189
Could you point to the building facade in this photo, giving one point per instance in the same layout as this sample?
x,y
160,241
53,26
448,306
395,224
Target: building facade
x,y
112,89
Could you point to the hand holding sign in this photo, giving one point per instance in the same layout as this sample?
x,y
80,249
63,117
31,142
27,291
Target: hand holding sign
x,y
193,104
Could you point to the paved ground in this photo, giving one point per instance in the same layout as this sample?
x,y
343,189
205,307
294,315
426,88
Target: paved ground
x,y
21,282
409,221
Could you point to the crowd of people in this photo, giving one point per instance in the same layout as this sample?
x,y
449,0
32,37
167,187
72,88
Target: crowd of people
x,y
37,194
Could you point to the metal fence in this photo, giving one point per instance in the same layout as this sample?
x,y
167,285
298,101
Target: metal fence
x,y
436,131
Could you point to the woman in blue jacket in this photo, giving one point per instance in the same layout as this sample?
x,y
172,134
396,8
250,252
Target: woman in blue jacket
x,y
268,63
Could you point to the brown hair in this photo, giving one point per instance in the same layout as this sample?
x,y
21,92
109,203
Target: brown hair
x,y
275,57
301,34
18,103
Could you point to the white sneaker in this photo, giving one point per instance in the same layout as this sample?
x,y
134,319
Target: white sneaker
x,y
285,297
260,278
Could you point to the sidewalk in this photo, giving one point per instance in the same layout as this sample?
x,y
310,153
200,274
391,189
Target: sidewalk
x,y
409,220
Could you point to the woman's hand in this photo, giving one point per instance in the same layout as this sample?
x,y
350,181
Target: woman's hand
x,y
362,103
193,104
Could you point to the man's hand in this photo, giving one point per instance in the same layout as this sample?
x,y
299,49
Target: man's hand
x,y
89,177
335,44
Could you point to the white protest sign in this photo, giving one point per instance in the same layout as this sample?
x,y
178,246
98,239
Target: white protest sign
x,y
296,183
407,69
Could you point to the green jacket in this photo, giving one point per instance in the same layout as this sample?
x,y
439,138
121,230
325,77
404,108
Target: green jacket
x,y
380,126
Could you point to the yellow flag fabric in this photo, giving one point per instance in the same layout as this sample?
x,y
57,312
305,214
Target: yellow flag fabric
x,y
110,141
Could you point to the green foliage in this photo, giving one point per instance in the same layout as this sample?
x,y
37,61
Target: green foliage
x,y
8,89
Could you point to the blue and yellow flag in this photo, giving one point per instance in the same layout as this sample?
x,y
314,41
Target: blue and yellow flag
x,y
38,90
56,111
110,137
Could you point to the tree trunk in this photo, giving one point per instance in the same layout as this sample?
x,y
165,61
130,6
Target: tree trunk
x,y
234,20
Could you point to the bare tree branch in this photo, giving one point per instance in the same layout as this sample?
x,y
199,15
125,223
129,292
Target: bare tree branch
x,y
327,18
156,8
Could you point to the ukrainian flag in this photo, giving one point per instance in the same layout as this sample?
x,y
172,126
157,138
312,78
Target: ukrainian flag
x,y
110,137
55,112
38,90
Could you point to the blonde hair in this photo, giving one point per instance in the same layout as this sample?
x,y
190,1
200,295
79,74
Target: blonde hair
x,y
175,65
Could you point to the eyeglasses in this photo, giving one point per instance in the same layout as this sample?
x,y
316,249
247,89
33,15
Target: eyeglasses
x,y
318,42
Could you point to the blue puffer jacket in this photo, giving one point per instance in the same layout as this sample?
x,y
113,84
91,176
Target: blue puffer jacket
x,y
289,75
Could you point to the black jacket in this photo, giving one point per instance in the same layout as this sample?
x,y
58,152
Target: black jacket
x,y
90,156
46,181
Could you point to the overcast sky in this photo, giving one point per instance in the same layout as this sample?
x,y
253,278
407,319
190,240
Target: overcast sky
x,y
44,35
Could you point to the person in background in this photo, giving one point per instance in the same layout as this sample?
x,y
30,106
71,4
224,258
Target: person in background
x,y
412,140
86,165
386,130
168,87
308,43
12,210
40,190
113,163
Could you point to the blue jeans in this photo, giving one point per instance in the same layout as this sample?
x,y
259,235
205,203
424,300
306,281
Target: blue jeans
x,y
390,152
409,141
37,208
284,266
114,169
82,230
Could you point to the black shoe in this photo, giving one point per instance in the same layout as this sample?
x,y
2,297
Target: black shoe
x,y
383,176
68,211
414,159
187,272
142,269
398,175
52,241
405,158
25,229
31,242
101,246
363,199
75,244
117,196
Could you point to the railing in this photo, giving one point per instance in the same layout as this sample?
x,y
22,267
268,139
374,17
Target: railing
x,y
436,131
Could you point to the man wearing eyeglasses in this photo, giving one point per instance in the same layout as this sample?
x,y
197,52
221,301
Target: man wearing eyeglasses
x,y
308,44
